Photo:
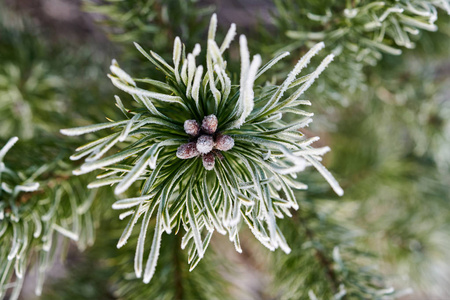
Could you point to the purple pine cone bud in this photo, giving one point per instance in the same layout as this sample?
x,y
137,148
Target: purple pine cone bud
x,y
191,127
209,124
224,142
205,144
187,151
208,161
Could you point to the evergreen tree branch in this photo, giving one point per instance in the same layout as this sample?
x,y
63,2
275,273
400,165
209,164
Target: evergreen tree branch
x,y
360,33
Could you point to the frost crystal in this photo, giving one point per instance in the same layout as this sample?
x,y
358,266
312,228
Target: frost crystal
x,y
209,124
205,144
187,151
224,142
208,161
191,127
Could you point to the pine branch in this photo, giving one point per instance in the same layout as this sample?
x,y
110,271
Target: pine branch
x,y
40,203
203,149
360,33
216,157
33,216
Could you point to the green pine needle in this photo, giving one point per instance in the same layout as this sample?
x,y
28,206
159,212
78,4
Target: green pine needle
x,y
210,155
32,215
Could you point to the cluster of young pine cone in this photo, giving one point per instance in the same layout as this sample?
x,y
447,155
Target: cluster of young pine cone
x,y
205,141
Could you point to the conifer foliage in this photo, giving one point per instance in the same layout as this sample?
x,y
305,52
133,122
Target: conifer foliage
x,y
358,32
249,155
205,135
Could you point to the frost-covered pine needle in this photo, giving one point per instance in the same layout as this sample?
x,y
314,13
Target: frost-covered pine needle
x,y
31,217
206,154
